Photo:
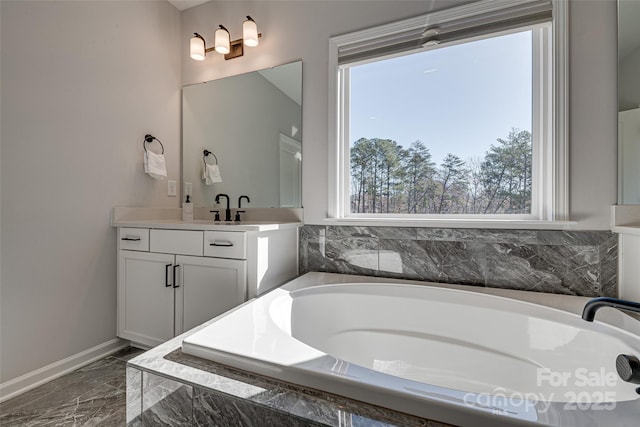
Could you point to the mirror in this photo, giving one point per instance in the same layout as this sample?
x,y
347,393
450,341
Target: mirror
x,y
628,102
251,126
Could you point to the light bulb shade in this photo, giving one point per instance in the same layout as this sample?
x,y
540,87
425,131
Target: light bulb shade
x,y
250,32
196,48
222,42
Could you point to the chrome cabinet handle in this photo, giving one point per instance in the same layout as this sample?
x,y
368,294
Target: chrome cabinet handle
x,y
166,275
222,244
174,275
131,239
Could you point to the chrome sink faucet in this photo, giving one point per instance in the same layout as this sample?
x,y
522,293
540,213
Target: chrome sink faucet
x,y
227,211
590,308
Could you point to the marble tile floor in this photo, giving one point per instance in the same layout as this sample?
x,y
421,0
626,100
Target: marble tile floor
x,y
94,395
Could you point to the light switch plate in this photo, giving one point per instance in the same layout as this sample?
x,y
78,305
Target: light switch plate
x,y
171,188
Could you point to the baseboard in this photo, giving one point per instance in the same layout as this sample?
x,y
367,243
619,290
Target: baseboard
x,y
33,379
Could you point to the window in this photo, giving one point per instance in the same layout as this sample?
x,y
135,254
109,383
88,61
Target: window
x,y
460,119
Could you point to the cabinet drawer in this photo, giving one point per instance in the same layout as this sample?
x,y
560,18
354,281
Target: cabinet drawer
x,y
225,244
179,242
134,239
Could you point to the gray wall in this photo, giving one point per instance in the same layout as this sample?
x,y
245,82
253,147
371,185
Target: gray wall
x,y
82,82
301,30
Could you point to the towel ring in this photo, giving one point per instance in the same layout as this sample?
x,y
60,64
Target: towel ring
x,y
204,157
150,138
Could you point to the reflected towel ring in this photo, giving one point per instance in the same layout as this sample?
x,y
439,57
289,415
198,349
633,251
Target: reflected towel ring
x,y
204,157
150,138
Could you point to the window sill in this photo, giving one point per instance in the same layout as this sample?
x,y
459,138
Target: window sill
x,y
505,224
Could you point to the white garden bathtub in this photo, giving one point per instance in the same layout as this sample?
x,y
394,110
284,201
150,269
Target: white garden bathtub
x,y
456,356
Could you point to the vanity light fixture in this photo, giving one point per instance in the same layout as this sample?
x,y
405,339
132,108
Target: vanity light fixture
x,y
223,44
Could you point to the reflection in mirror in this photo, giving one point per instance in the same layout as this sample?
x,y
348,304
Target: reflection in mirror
x,y
252,126
628,102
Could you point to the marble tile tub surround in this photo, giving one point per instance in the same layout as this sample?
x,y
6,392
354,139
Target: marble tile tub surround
x,y
237,398
165,402
580,263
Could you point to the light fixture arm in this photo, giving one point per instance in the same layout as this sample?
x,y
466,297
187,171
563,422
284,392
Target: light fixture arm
x,y
240,40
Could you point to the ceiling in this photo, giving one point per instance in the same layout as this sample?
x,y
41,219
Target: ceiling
x,y
186,4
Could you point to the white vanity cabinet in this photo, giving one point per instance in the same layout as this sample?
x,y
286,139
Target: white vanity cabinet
x,y
206,288
167,286
170,281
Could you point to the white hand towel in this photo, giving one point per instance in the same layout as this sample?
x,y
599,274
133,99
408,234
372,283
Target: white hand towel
x,y
154,165
211,174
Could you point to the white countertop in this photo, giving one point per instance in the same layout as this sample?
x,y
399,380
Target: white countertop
x,y
170,218
176,224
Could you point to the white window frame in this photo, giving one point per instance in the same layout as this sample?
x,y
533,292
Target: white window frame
x,y
550,204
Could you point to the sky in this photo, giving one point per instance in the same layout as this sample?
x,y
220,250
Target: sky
x,y
457,99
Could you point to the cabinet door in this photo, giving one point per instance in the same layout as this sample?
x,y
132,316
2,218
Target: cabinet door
x,y
206,288
145,297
